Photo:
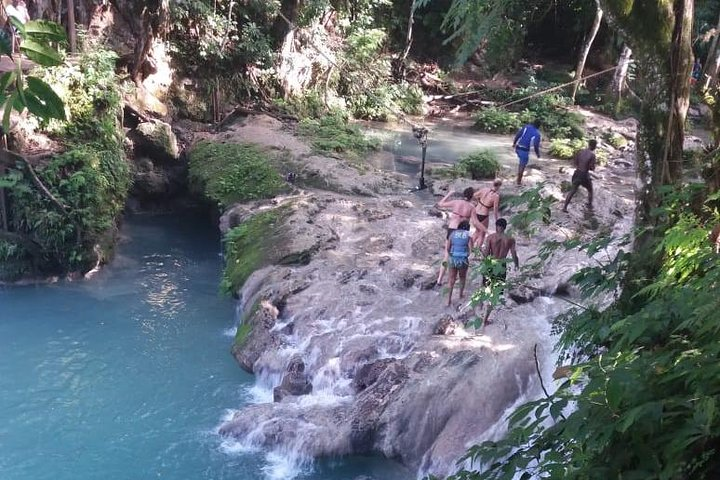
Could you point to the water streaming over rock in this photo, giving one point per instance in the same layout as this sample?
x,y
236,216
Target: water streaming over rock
x,y
346,344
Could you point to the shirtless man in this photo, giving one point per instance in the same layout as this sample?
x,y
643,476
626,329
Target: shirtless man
x,y
460,210
487,198
584,162
498,246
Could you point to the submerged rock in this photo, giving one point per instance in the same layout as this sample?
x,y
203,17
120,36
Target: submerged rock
x,y
295,382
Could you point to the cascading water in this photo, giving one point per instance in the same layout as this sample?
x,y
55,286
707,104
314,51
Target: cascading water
x,y
361,319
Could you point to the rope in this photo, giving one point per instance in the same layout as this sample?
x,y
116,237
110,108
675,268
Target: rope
x,y
558,87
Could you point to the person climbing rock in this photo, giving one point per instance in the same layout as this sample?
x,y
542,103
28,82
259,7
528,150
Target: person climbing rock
x,y
584,162
526,138
458,249
461,210
487,199
498,246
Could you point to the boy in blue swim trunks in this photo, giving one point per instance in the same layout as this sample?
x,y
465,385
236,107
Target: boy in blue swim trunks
x,y
525,139
458,248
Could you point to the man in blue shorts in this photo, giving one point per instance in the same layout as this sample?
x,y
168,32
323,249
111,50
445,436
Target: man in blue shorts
x,y
525,139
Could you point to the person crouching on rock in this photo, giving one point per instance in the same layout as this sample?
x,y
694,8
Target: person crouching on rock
x,y
461,210
458,249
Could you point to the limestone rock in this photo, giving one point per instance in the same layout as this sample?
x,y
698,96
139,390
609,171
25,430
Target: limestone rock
x,y
156,140
295,382
446,326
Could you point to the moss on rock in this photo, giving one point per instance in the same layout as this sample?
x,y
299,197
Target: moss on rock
x,y
249,246
227,173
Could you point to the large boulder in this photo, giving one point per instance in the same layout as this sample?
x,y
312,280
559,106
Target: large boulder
x,y
156,140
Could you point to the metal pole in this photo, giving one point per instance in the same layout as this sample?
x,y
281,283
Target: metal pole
x,y
422,168
420,134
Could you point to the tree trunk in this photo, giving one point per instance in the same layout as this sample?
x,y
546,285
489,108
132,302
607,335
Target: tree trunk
x,y
710,72
620,77
712,54
586,50
286,20
664,58
400,65
72,35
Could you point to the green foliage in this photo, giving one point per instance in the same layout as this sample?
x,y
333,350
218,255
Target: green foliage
x,y
91,178
242,333
385,102
551,109
557,120
231,36
18,92
479,165
641,398
497,120
565,148
247,247
227,173
333,134
92,97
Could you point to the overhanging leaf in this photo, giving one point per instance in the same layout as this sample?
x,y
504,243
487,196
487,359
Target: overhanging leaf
x,y
45,30
7,110
6,80
40,53
42,93
17,24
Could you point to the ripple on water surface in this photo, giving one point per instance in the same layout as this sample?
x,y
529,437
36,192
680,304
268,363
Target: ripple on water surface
x,y
128,375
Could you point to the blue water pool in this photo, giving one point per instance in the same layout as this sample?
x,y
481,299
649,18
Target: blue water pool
x,y
127,376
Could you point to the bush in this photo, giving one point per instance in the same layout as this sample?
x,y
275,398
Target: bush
x,y
565,148
386,101
228,172
333,134
479,165
497,120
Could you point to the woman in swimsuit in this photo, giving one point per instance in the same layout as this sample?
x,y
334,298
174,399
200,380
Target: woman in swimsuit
x,y
487,198
461,210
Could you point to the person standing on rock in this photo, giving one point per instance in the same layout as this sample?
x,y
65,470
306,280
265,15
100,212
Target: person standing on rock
x,y
584,162
526,138
498,246
458,250
460,210
487,199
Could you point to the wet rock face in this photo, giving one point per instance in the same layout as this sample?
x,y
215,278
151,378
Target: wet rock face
x,y
386,366
295,382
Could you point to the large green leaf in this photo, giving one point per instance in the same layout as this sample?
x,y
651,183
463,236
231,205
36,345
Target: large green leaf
x,y
6,79
41,53
7,110
42,100
44,30
18,25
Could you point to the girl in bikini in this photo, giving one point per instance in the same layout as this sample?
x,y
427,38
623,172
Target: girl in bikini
x,y
461,210
487,199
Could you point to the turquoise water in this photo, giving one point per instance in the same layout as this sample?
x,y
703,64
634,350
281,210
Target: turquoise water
x,y
127,376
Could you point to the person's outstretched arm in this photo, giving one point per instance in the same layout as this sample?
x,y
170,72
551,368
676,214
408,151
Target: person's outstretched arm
x,y
445,203
496,206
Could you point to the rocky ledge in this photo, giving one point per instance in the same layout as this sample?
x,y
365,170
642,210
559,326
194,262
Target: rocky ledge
x,y
356,342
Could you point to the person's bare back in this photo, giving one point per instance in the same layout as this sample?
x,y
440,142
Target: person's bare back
x,y
499,245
